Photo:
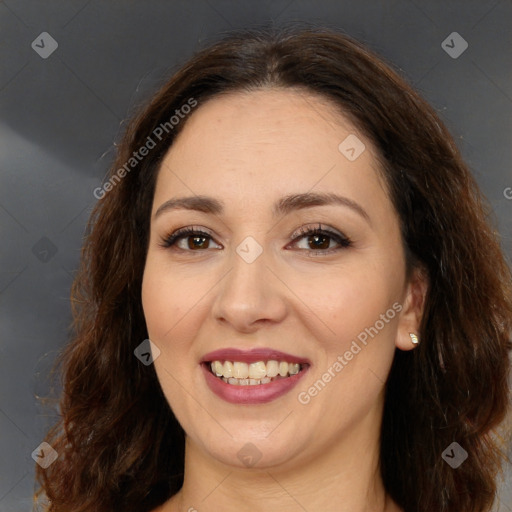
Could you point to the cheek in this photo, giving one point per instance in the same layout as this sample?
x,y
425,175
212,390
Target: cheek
x,y
158,304
167,311
358,348
356,338
165,301
346,301
172,319
174,310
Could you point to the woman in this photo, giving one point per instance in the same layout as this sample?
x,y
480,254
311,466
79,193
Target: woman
x,y
293,228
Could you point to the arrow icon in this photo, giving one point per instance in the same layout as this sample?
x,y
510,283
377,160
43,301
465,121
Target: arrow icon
x,y
249,455
249,252
147,352
454,45
44,455
44,250
351,147
454,455
44,45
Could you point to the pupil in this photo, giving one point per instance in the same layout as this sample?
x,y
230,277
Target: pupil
x,y
197,241
316,238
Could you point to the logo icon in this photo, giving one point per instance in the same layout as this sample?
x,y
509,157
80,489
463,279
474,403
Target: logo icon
x,y
44,455
44,45
249,455
351,147
454,45
454,455
249,249
147,352
44,250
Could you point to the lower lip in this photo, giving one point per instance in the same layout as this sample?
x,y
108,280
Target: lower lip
x,y
255,394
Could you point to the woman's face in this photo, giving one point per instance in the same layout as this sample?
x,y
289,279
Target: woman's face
x,y
253,172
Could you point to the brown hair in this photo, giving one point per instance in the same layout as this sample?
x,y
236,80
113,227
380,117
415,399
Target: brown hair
x,y
120,446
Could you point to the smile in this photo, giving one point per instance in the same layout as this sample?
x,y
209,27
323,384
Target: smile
x,y
239,373
255,376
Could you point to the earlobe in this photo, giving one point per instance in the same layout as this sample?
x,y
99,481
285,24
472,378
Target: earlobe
x,y
408,336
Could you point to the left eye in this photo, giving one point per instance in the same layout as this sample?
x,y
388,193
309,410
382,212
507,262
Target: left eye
x,y
321,240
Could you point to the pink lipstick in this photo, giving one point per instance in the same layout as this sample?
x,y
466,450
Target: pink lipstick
x,y
254,376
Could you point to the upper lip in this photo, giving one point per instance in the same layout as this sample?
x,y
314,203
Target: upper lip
x,y
252,356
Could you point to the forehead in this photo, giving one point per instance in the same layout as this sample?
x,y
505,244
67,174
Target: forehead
x,y
267,143
275,116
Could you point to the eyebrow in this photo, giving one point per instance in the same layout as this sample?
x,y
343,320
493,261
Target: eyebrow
x,y
283,206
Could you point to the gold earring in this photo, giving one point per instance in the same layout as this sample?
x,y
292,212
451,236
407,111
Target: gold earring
x,y
414,338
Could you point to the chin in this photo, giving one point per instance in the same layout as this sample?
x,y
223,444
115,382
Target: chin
x,y
247,452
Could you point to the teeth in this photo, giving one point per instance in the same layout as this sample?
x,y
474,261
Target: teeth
x,y
293,368
240,370
253,374
257,370
272,368
217,368
228,369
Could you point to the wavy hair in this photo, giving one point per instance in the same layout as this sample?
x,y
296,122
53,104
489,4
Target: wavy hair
x,y
120,446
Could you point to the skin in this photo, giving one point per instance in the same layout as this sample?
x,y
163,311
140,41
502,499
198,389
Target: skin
x,y
248,150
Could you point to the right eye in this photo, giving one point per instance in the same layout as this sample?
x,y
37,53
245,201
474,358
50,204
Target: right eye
x,y
188,239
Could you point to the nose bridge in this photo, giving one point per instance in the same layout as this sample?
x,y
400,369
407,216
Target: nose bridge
x,y
249,292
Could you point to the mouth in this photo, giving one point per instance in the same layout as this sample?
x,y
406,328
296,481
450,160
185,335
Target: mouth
x,y
239,373
252,377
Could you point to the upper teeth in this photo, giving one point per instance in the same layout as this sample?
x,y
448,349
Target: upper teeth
x,y
258,370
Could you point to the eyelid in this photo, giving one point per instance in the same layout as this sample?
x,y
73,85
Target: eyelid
x,y
307,230
340,238
168,241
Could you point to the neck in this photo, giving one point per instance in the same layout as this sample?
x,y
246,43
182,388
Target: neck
x,y
344,477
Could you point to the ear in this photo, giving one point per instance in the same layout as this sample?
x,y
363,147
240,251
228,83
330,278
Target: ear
x,y
412,309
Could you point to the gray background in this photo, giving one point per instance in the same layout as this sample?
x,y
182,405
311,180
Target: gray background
x,y
60,116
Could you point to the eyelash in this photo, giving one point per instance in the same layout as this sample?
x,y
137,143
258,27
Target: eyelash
x,y
343,241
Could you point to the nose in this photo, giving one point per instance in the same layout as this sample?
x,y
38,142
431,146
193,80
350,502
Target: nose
x,y
250,295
